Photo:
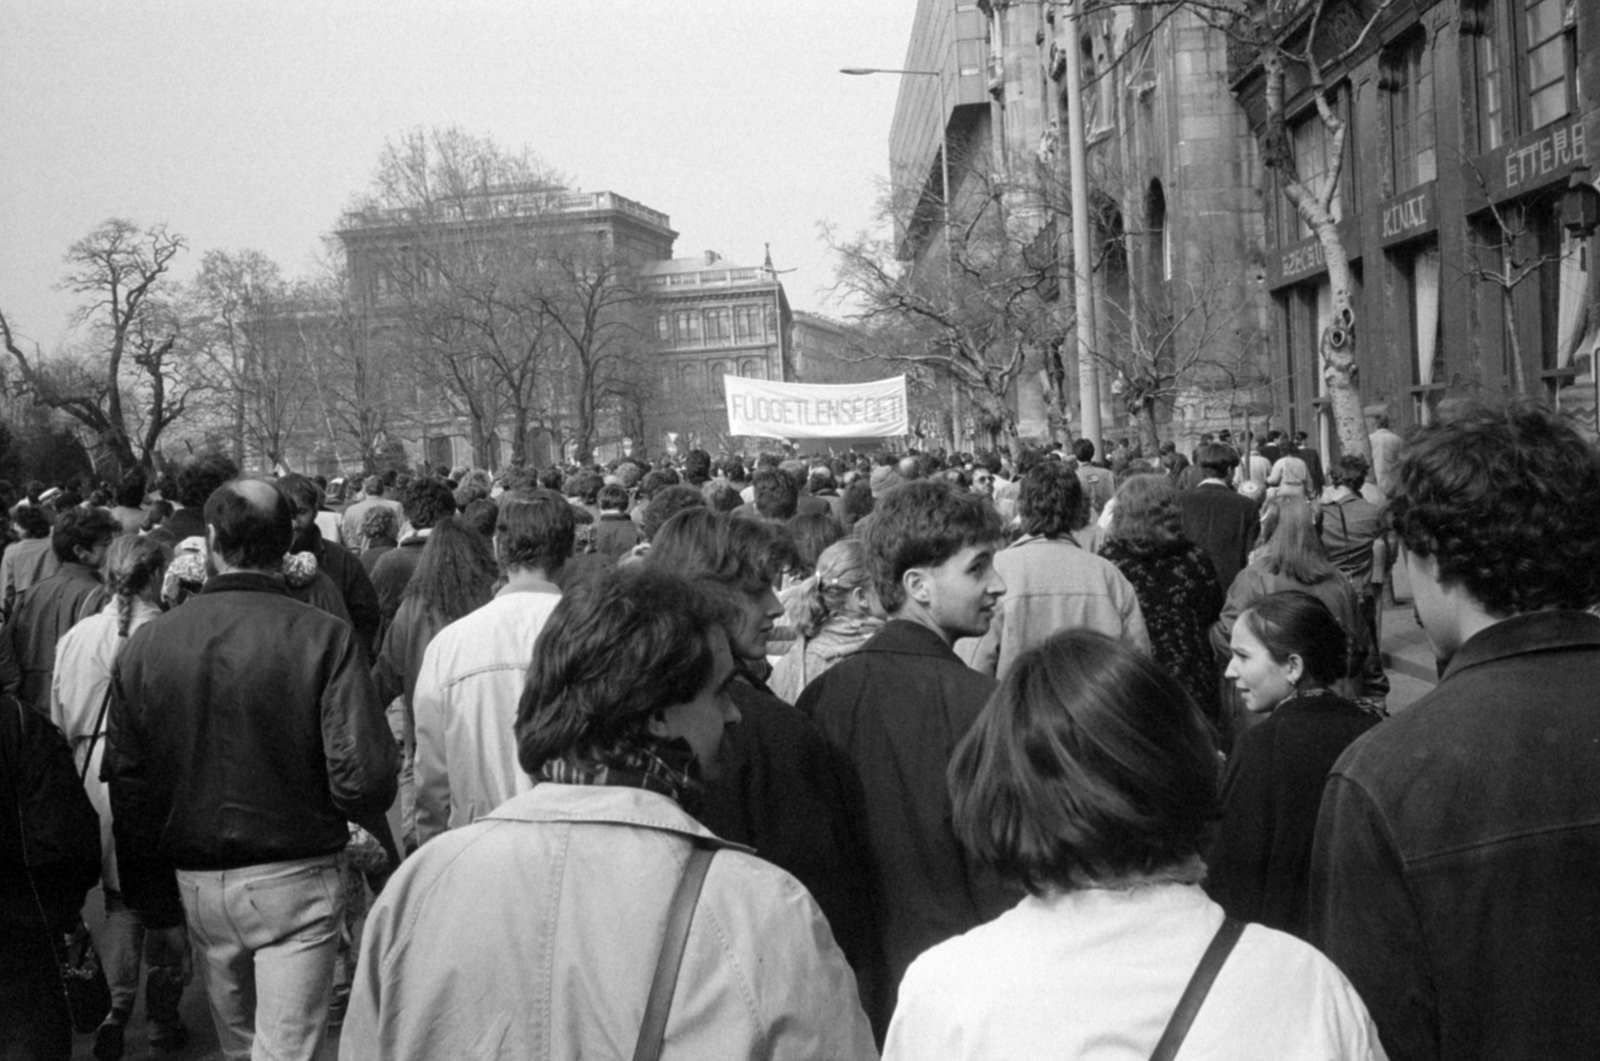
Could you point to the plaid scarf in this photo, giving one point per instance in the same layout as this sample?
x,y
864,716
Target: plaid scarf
x,y
666,767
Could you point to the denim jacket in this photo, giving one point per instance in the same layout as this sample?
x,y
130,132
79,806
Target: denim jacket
x,y
1456,868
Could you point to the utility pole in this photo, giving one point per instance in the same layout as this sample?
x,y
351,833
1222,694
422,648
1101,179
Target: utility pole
x,y
1083,285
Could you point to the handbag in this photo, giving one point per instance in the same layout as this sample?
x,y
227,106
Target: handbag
x,y
679,916
1199,986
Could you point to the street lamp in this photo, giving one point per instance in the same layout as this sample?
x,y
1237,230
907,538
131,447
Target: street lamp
x,y
944,182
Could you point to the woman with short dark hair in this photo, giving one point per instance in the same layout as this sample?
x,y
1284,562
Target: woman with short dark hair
x,y
1287,649
1090,781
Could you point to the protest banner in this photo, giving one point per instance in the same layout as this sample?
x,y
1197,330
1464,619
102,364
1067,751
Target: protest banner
x,y
769,409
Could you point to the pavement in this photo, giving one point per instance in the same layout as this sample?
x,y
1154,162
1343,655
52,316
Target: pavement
x,y
1406,656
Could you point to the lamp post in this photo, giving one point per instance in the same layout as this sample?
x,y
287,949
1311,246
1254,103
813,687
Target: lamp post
x,y
944,197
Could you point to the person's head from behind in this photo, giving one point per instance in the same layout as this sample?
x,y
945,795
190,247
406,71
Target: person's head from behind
x,y
841,586
82,536
1146,513
667,503
1282,644
721,495
250,525
1088,767
1083,449
456,572
427,501
200,478
379,526
932,549
612,498
481,516
633,661
1050,501
1216,460
1350,471
741,558
130,491
776,494
1290,545
811,533
697,466
1498,513
534,533
31,521
135,568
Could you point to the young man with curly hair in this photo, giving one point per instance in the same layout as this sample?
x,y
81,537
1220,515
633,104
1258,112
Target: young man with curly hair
x,y
1456,869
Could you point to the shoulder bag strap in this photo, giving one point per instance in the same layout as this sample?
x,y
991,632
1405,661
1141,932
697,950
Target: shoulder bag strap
x,y
654,1026
94,734
1199,986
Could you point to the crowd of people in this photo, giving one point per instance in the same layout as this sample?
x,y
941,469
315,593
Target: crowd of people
x,y
919,755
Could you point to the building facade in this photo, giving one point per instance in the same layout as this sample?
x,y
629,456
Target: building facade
x,y
1178,320
1469,124
712,318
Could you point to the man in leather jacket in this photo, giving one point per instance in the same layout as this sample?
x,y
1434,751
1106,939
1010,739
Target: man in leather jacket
x,y
245,734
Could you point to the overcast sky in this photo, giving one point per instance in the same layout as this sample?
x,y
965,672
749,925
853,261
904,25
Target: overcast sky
x,y
251,125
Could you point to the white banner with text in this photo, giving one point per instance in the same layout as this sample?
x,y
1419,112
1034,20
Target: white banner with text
x,y
815,410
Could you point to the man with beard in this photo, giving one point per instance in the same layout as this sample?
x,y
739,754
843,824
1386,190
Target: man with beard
x,y
897,707
341,566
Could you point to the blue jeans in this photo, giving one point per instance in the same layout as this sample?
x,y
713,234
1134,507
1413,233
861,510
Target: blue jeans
x,y
265,937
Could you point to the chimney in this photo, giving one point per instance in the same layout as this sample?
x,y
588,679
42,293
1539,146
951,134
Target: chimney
x,y
712,257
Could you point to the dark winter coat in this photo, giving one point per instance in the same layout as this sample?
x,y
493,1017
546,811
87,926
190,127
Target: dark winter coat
x,y
896,708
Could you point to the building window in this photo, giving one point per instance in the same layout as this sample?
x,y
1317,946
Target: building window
x,y
663,328
747,323
688,379
1408,79
1419,272
1489,75
1550,48
714,373
1311,142
719,326
686,327
751,369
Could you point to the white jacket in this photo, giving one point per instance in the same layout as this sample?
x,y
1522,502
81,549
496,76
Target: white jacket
x,y
1097,974
84,656
534,933
466,704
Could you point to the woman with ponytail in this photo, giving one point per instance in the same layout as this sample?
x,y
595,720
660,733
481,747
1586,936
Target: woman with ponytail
x,y
79,695
834,613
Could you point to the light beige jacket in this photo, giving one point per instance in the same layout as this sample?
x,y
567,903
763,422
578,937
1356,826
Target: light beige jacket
x,y
533,934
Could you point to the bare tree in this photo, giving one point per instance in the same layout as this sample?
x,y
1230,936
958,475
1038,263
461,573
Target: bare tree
x,y
249,331
968,313
132,380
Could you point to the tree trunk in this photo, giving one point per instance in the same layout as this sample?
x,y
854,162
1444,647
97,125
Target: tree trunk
x,y
1337,348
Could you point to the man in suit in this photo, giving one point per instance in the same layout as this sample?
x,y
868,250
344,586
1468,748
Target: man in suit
x,y
1217,519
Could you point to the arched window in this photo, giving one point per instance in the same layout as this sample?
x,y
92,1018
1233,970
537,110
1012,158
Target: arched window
x,y
714,373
